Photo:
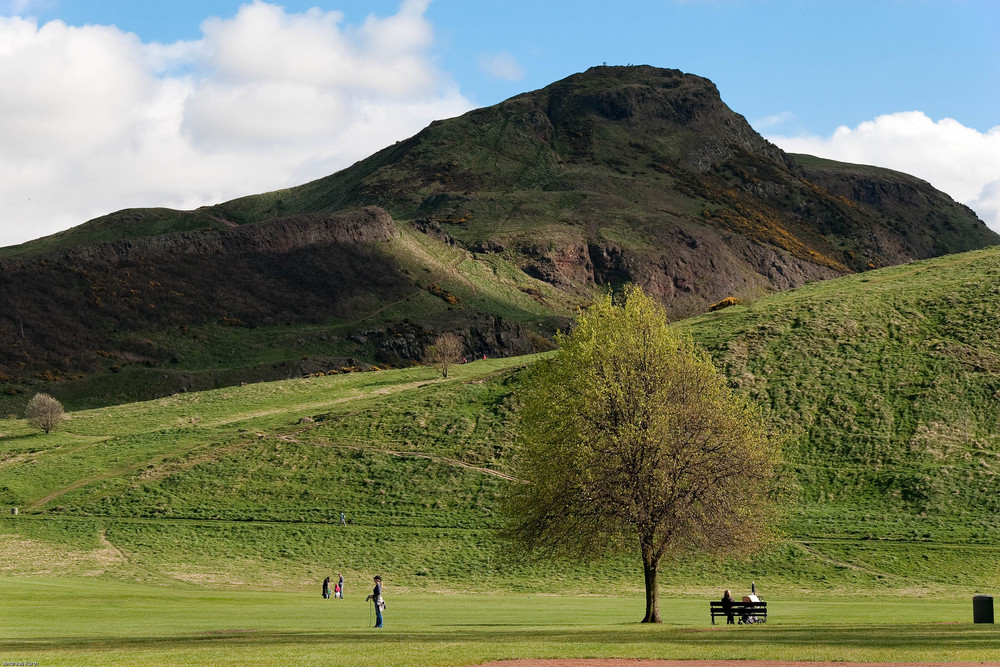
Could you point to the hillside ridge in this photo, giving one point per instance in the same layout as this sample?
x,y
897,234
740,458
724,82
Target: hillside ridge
x,y
497,224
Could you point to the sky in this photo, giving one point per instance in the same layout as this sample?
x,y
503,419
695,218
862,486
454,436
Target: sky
x,y
111,104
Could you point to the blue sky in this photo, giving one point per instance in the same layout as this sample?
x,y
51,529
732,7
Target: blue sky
x,y
182,102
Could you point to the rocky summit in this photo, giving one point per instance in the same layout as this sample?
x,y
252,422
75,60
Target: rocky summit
x,y
496,224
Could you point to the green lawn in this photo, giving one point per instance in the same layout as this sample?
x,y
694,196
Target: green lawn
x,y
78,621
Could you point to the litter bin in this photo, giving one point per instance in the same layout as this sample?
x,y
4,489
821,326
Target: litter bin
x,y
982,608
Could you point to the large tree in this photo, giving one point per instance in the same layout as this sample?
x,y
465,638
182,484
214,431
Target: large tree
x,y
629,436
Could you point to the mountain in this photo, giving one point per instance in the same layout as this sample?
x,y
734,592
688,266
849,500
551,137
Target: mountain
x,y
496,224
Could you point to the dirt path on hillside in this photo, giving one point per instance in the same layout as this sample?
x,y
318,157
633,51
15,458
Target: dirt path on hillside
x,y
108,475
636,662
454,462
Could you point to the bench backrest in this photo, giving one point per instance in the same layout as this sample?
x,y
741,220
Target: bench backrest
x,y
739,606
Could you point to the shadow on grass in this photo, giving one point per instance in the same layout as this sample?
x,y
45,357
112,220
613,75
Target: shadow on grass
x,y
834,638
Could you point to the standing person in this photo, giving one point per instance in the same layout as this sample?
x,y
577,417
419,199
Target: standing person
x,y
727,606
326,588
376,597
341,582
343,519
336,592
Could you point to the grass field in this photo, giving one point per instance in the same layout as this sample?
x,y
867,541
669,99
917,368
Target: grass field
x,y
71,621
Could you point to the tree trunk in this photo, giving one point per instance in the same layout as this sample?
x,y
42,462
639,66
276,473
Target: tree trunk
x,y
650,564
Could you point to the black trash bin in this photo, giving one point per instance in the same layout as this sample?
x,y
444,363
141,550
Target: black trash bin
x,y
982,608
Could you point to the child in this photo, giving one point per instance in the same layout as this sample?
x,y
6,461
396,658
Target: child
x,y
336,591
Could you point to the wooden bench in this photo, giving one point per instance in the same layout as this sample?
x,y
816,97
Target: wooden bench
x,y
741,611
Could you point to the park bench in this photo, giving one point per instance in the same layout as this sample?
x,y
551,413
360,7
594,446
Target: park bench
x,y
741,610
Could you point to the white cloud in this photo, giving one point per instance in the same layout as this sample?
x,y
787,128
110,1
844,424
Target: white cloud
x,y
956,159
94,120
501,66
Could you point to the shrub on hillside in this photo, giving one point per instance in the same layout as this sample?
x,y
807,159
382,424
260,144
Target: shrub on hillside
x,y
725,303
44,412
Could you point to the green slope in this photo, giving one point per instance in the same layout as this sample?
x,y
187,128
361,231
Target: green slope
x,y
884,385
887,387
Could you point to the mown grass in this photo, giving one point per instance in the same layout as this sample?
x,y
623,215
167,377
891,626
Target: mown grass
x,y
81,622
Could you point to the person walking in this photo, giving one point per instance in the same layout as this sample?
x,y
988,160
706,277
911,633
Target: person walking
x,y
376,597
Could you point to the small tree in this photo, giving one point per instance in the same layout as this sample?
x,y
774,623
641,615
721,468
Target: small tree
x,y
446,350
44,412
629,435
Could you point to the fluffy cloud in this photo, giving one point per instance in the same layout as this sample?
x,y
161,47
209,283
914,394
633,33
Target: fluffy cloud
x,y
956,159
94,120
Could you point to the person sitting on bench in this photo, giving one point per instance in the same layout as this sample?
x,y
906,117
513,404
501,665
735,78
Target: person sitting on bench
x,y
727,605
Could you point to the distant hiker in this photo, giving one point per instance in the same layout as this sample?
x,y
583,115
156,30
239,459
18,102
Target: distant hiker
x,y
341,584
326,588
727,606
343,519
376,597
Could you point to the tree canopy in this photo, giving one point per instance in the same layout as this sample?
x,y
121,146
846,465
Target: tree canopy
x,y
446,350
44,412
630,436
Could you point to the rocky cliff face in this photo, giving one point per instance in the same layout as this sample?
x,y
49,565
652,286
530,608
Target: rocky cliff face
x,y
651,101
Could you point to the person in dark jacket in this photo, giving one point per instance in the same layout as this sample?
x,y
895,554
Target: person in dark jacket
x,y
727,606
376,597
326,588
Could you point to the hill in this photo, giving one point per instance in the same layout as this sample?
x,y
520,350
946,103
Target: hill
x,y
495,224
885,385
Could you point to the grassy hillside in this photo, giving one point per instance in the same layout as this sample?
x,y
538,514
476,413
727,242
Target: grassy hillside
x,y
885,386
